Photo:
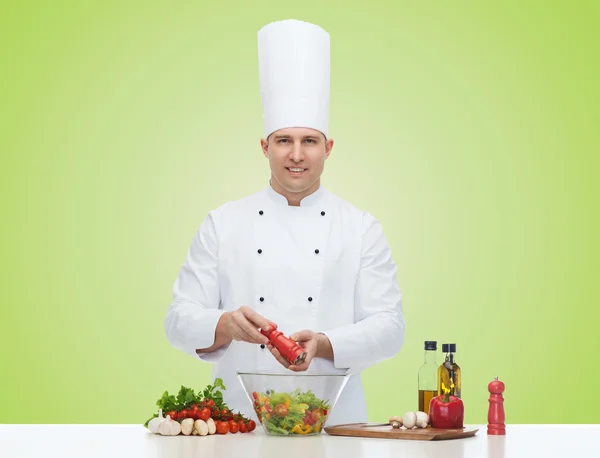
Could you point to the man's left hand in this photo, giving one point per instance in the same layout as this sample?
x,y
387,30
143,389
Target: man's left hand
x,y
309,341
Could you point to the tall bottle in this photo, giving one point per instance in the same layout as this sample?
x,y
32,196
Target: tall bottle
x,y
428,377
449,375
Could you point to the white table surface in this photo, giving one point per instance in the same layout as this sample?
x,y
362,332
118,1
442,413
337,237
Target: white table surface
x,y
116,441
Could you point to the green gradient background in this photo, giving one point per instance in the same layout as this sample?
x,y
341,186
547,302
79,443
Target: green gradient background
x,y
470,129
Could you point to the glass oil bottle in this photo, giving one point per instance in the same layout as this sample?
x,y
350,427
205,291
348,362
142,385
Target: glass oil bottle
x,y
428,374
449,373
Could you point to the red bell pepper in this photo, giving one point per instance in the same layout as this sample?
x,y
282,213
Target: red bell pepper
x,y
446,412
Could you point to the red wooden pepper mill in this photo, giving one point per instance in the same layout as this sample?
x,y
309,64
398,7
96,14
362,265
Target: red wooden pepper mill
x,y
289,349
496,418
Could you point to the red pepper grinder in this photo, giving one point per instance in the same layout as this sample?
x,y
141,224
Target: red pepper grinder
x,y
289,349
496,418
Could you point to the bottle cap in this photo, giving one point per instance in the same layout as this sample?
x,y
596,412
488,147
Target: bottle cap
x,y
430,345
449,348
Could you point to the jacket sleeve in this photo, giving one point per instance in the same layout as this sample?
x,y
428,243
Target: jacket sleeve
x,y
378,329
192,317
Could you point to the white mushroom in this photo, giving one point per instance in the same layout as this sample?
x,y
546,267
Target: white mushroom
x,y
187,426
212,428
396,422
422,420
200,427
409,420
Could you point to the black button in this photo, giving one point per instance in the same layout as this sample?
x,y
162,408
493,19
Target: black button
x,y
317,251
322,213
260,212
310,299
262,345
262,299
259,251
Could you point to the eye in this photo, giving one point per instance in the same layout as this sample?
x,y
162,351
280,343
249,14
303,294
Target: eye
x,y
282,140
310,140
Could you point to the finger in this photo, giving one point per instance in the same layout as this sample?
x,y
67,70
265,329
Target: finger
x,y
241,335
253,335
259,320
302,335
301,367
246,314
240,332
284,362
310,353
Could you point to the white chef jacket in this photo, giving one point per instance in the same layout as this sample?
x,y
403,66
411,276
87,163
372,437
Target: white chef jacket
x,y
324,266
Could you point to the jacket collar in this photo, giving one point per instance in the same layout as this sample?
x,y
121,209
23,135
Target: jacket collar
x,y
310,200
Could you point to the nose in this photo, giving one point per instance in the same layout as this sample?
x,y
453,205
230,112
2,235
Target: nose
x,y
297,153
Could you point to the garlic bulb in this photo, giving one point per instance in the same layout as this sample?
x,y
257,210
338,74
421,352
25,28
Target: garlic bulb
x,y
212,428
200,427
169,427
155,422
187,426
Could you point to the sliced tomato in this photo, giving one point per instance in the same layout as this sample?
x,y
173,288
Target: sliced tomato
x,y
281,410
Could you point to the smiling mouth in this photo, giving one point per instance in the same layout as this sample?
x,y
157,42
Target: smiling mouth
x,y
295,169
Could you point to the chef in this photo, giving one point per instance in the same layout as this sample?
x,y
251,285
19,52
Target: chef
x,y
293,253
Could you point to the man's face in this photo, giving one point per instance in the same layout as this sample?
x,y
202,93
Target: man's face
x,y
297,157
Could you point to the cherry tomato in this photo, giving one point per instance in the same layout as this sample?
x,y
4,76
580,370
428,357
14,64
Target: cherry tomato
x,y
233,426
243,427
183,414
251,425
173,414
222,427
208,402
204,414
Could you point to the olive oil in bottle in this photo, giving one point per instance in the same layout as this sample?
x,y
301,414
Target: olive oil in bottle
x,y
428,377
449,375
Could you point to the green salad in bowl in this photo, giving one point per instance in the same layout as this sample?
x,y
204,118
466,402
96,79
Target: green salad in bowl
x,y
291,413
292,404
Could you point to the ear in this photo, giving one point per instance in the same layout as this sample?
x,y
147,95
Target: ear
x,y
264,144
328,147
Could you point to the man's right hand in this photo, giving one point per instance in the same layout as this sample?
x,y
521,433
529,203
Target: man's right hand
x,y
242,325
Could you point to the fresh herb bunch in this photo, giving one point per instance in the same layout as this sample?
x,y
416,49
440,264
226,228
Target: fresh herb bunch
x,y
187,402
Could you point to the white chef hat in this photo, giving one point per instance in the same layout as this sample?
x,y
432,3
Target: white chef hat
x,y
294,71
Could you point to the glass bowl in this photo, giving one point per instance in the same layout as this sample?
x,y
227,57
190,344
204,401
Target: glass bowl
x,y
295,404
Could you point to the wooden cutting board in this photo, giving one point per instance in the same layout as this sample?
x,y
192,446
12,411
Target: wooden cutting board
x,y
385,431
